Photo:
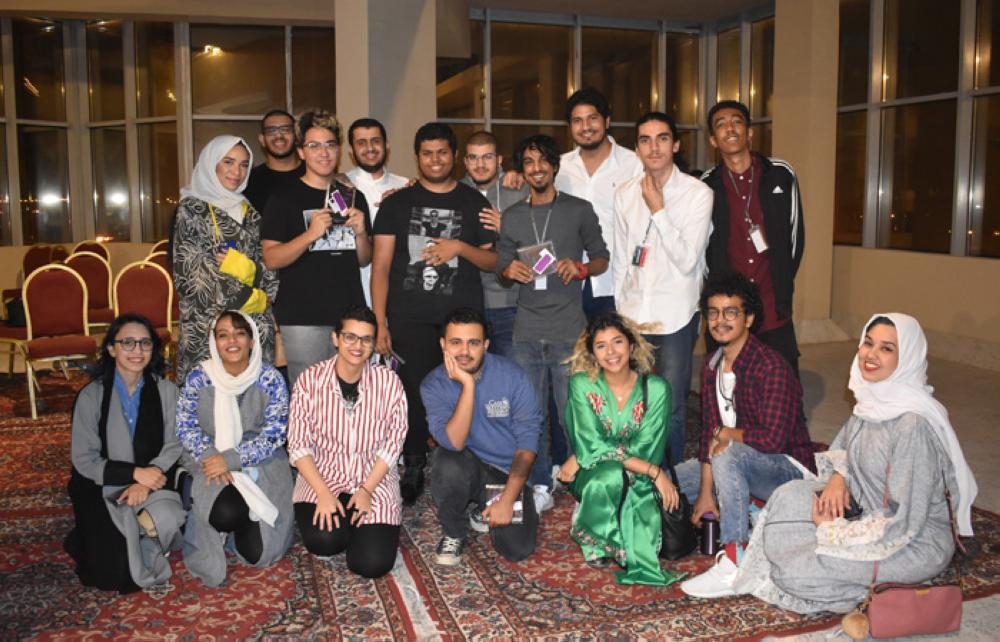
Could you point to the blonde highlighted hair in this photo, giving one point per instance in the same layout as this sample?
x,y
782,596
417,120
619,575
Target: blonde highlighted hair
x,y
640,351
317,118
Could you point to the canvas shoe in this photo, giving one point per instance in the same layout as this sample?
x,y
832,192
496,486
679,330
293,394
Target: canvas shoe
x,y
449,551
715,582
477,522
543,498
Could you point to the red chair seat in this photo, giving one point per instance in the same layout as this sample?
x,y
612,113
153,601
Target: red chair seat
x,y
10,293
48,347
105,315
165,336
13,332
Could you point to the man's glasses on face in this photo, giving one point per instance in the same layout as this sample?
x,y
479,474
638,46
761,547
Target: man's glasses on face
x,y
315,145
352,339
729,314
274,130
128,344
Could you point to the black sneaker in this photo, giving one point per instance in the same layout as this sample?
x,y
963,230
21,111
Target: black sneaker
x,y
411,483
449,551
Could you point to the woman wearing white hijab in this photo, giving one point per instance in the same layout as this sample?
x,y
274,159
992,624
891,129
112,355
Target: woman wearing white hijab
x,y
217,256
232,420
894,457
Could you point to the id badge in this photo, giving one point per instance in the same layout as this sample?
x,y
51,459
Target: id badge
x,y
639,255
757,238
541,282
545,259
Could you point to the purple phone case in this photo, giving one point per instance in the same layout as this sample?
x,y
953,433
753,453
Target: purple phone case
x,y
337,202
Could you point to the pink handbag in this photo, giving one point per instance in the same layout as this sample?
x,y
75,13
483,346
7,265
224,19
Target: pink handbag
x,y
897,610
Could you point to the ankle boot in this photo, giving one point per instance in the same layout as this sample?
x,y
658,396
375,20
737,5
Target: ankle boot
x,y
411,484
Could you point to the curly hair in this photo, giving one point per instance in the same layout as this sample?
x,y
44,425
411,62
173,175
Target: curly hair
x,y
734,284
640,351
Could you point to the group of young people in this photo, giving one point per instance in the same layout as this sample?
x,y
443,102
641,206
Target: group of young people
x,y
538,326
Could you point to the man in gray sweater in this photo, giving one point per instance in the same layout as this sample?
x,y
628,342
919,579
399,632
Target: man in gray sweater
x,y
541,247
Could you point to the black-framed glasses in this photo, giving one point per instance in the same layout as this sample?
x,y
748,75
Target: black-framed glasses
x,y
351,339
128,344
274,130
729,314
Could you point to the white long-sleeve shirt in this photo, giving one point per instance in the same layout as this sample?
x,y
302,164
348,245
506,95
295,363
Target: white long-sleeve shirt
x,y
665,290
373,189
620,166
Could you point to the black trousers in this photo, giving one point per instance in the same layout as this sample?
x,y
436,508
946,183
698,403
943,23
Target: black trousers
x,y
419,345
371,548
459,479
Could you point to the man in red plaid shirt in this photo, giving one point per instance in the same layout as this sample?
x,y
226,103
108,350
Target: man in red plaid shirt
x,y
754,436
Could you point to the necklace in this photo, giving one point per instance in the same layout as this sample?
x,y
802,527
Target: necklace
x,y
629,384
728,400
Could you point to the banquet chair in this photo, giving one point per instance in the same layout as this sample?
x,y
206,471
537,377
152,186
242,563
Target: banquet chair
x,y
160,258
55,305
96,274
160,246
33,258
93,246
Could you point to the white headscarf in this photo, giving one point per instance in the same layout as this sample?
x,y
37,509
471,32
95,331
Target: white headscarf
x,y
205,183
906,390
228,425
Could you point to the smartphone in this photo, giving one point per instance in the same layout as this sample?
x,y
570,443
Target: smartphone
x,y
852,511
338,206
225,246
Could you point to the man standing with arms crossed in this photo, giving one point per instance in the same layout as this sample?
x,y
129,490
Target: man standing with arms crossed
x,y
483,164
758,225
662,223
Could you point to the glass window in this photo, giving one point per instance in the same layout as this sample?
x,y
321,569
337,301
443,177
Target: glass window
x,y
849,186
237,70
852,81
918,157
623,135
510,135
313,69
761,68
683,75
206,130
5,237
985,229
987,30
728,69
38,63
460,89
43,169
689,150
921,47
105,70
158,181
531,67
620,63
111,201
154,69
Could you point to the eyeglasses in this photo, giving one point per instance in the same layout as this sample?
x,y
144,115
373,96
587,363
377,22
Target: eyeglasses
x,y
486,158
352,339
729,314
315,145
128,344
274,130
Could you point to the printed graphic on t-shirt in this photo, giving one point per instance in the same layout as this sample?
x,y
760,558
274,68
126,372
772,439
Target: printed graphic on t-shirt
x,y
427,224
339,236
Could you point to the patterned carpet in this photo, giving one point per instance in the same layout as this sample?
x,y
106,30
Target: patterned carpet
x,y
551,597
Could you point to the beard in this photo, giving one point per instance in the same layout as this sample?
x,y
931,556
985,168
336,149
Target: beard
x,y
371,169
591,146
283,156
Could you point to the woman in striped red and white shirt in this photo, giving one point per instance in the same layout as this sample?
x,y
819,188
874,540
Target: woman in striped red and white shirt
x,y
346,427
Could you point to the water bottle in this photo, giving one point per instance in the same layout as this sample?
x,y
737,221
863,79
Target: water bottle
x,y
709,534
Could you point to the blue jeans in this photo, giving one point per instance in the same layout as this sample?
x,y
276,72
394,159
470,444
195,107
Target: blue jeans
x,y
502,330
305,345
673,354
542,361
738,473
594,305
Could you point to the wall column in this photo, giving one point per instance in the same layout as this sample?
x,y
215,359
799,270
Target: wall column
x,y
806,52
386,66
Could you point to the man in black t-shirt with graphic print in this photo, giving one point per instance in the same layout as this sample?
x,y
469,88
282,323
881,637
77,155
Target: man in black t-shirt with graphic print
x,y
432,224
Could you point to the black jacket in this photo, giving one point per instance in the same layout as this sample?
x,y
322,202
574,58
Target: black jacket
x,y
783,226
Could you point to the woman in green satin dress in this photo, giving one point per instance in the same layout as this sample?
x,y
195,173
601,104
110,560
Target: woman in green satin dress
x,y
617,418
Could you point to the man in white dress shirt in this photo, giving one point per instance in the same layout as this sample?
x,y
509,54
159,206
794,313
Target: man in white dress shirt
x,y
369,148
593,171
662,223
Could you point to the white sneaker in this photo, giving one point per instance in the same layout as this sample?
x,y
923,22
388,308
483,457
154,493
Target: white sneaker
x,y
555,476
449,551
477,522
715,582
543,498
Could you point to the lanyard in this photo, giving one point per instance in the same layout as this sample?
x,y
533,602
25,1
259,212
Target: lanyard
x,y
746,206
548,214
215,222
